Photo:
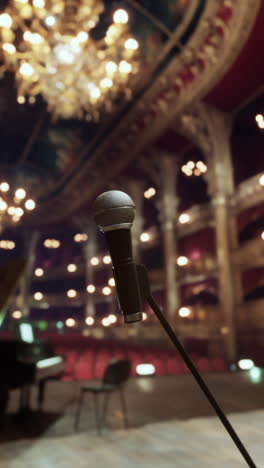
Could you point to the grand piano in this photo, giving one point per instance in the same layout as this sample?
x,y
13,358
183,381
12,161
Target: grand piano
x,y
27,361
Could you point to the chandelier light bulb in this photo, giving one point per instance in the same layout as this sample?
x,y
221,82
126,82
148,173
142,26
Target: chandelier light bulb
x,y
82,36
9,48
106,83
111,67
39,3
125,67
3,205
50,20
95,93
30,204
11,210
120,16
20,194
19,211
131,44
26,69
4,187
5,21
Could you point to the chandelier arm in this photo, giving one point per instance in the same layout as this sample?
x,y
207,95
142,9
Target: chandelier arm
x,y
150,16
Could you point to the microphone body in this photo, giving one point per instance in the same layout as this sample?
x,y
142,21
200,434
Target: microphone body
x,y
114,213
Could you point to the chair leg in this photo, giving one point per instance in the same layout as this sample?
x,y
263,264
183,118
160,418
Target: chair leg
x,y
78,412
123,405
105,406
97,415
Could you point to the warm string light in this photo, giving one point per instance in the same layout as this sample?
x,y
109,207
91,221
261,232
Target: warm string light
x,y
17,314
150,192
94,261
7,244
90,288
38,296
89,321
182,260
70,322
51,243
13,203
39,272
80,237
261,180
194,168
107,259
184,312
184,218
71,293
111,282
52,51
71,268
145,237
260,120
106,291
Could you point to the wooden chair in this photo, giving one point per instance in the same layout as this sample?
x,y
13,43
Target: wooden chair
x,y
114,379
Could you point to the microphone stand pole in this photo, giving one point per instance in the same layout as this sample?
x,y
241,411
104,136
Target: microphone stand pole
x,y
147,296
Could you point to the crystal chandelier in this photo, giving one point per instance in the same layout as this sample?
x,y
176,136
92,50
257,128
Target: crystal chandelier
x,y
12,205
53,49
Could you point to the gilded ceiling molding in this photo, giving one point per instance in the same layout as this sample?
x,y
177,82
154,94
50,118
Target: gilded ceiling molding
x,y
223,29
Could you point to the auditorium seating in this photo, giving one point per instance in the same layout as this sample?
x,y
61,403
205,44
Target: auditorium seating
x,y
87,358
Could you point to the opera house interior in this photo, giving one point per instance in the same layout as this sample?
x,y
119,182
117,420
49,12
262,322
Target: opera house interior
x,y
131,125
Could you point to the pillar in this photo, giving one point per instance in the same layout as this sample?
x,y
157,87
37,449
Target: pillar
x,y
135,190
168,204
221,187
89,249
23,297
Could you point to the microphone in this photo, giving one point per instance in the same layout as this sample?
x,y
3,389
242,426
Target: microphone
x,y
114,213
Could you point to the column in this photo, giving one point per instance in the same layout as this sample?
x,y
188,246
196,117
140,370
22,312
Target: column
x,y
23,298
135,190
221,187
168,204
89,249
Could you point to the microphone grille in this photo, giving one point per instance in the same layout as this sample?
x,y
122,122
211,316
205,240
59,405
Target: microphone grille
x,y
114,210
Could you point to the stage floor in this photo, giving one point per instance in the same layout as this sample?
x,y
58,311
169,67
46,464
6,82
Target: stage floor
x,y
171,425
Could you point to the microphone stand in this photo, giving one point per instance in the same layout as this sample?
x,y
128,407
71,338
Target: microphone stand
x,y
146,296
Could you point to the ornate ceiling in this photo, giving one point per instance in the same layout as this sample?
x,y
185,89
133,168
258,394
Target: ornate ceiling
x,y
187,47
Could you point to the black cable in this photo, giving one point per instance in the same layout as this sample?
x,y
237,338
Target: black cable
x,y
200,381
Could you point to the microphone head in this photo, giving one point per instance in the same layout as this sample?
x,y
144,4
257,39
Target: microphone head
x,y
114,210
